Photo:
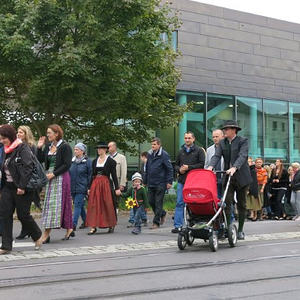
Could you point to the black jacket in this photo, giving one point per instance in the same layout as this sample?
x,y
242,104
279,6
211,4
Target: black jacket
x,y
253,188
20,166
283,180
295,184
159,170
238,157
109,170
195,159
63,158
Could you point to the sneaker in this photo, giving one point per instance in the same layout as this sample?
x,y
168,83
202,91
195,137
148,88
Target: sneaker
x,y
163,219
136,230
145,223
154,226
241,235
175,230
130,225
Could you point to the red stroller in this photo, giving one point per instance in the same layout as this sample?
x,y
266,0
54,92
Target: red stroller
x,y
204,214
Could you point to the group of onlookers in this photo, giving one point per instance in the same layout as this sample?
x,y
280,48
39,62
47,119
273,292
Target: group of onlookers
x,y
265,191
274,192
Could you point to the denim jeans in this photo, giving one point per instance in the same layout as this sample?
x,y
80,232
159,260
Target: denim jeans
x,y
156,197
138,212
178,217
132,214
78,208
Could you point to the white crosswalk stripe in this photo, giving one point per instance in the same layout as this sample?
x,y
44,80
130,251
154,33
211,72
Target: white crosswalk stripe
x,y
118,248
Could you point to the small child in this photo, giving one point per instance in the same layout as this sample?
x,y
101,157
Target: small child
x,y
138,193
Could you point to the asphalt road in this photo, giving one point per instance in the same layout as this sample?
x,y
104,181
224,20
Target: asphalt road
x,y
149,266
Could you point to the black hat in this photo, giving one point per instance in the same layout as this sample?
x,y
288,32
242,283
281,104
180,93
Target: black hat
x,y
231,124
101,145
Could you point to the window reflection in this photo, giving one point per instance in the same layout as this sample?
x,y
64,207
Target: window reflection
x,y
276,137
249,117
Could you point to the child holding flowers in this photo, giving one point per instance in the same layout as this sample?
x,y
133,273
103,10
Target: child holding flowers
x,y
137,199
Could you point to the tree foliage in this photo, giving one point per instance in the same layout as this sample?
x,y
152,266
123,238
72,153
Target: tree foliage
x,y
99,68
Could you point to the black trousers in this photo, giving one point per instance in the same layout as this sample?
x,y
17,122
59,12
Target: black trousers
x,y
241,194
8,203
276,205
156,198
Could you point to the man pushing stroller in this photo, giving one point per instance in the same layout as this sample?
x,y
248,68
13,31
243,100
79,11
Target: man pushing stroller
x,y
234,150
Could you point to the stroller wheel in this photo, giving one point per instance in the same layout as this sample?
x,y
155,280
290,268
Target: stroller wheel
x,y
232,235
213,242
189,238
181,241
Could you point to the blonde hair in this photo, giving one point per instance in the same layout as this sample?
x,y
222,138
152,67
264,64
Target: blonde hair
x,y
295,165
29,139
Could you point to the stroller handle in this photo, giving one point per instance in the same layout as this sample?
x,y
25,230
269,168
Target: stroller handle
x,y
222,201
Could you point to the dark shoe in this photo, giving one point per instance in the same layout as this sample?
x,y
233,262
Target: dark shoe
x,y
111,229
47,240
22,236
163,219
241,235
136,230
82,226
175,230
92,231
67,237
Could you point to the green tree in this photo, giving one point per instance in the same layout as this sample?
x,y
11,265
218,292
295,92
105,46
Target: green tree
x,y
99,68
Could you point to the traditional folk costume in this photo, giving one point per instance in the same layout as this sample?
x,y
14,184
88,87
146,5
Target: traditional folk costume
x,y
57,208
101,210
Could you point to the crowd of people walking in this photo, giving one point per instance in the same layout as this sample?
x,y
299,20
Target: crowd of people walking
x,y
261,191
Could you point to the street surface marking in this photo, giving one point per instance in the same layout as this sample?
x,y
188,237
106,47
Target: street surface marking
x,y
126,247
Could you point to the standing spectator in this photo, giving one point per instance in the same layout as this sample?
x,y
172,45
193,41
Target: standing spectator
x,y
81,177
139,194
158,178
234,150
24,133
252,202
143,158
190,157
262,179
295,190
289,211
17,171
217,136
121,167
57,208
279,183
101,208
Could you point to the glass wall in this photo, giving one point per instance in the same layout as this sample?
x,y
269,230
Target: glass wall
x,y
194,120
219,109
294,131
271,126
276,135
250,119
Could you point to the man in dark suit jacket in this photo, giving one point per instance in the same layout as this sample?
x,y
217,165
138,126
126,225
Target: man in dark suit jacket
x,y
234,150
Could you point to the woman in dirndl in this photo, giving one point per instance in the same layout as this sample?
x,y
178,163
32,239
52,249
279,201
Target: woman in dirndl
x,y
101,211
57,208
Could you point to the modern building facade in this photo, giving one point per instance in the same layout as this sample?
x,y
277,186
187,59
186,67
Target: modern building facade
x,y
241,66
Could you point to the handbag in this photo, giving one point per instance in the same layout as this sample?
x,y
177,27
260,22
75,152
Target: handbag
x,y
38,178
